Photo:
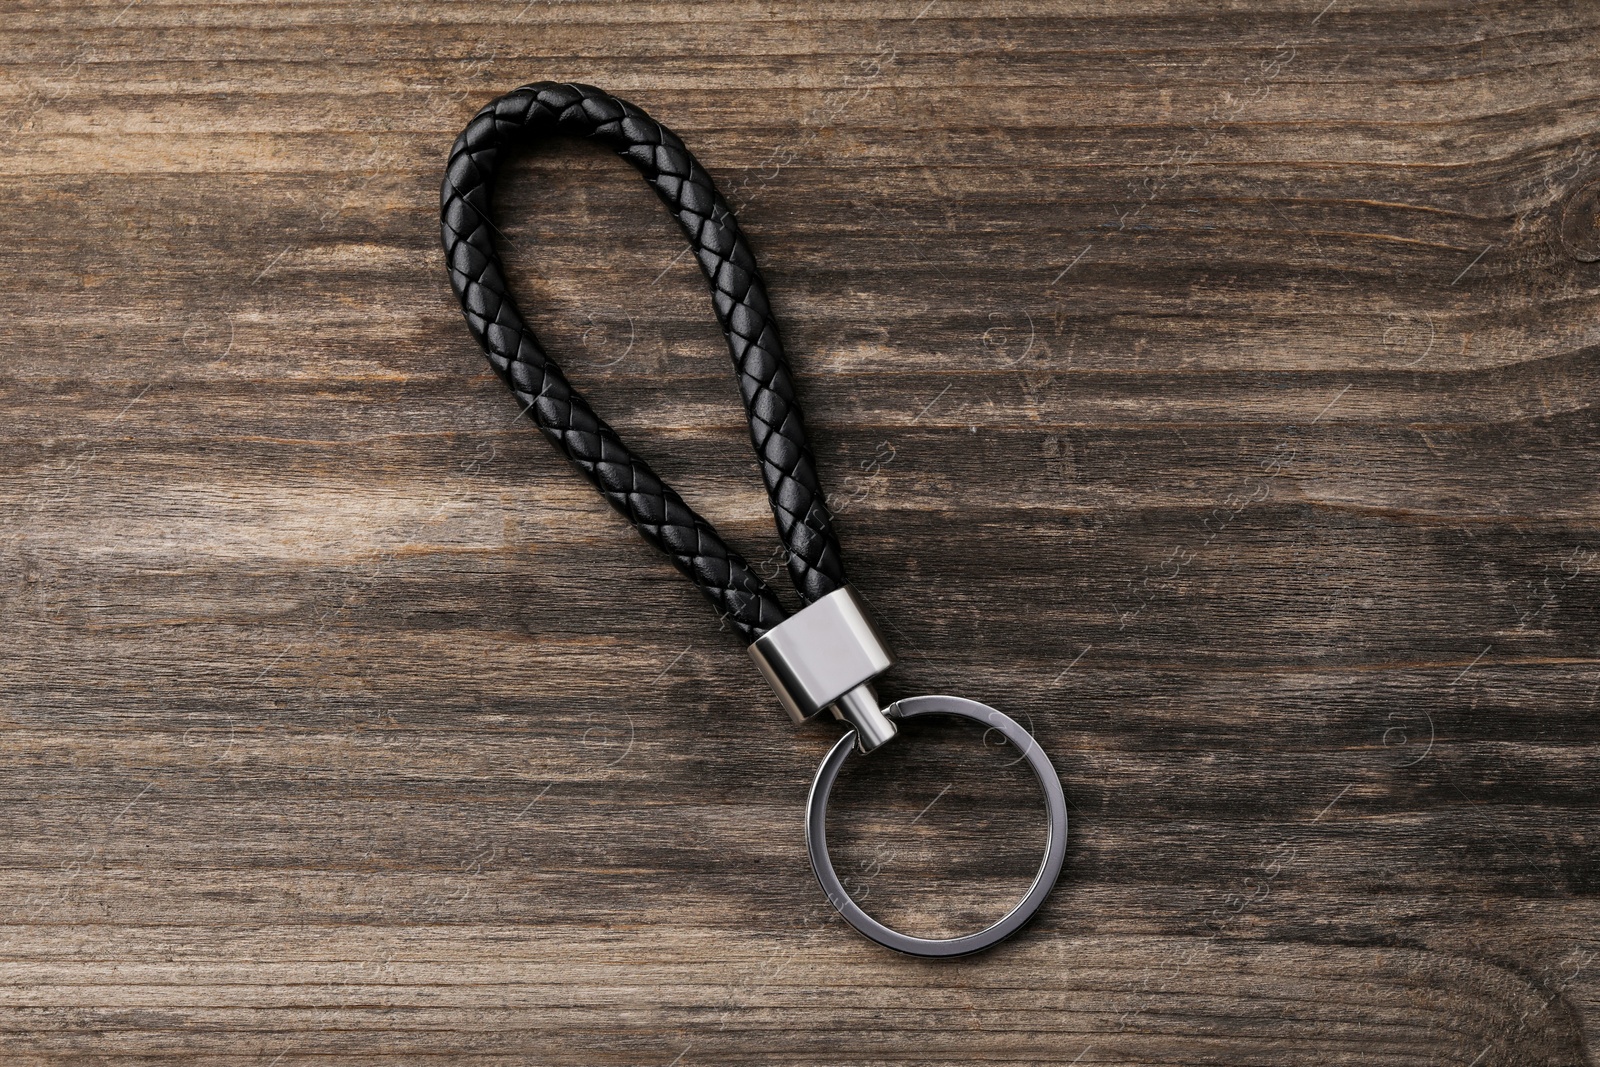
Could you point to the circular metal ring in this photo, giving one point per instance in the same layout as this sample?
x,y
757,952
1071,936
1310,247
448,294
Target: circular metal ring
x,y
1055,850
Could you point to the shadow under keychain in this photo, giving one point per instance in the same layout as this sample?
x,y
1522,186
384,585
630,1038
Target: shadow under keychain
x,y
824,657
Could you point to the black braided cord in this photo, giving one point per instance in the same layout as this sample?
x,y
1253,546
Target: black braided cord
x,y
545,109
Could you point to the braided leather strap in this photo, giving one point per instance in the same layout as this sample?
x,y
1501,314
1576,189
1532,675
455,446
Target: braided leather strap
x,y
740,297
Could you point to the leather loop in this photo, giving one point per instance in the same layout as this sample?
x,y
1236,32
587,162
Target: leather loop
x,y
546,109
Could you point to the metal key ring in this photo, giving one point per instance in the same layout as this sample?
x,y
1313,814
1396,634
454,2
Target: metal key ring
x,y
1055,851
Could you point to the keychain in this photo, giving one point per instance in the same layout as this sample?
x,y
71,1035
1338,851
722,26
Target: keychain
x,y
824,657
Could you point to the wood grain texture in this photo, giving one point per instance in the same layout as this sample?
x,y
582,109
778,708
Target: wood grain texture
x,y
1207,385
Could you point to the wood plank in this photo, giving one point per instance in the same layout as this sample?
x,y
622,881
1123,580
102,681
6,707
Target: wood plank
x,y
1209,387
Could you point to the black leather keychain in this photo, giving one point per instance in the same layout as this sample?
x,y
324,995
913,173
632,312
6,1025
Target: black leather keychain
x,y
822,658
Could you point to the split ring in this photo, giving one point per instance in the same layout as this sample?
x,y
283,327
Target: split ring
x,y
1055,850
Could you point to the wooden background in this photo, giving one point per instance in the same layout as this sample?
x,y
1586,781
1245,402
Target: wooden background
x,y
1209,385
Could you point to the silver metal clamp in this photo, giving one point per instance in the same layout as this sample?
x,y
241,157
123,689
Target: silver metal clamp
x,y
822,658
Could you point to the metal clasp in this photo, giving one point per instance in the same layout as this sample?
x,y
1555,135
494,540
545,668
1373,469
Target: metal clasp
x,y
822,658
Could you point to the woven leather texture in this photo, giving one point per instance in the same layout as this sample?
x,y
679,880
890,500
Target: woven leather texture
x,y
739,296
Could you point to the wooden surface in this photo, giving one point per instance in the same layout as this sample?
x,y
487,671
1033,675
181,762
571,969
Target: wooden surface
x,y
1210,386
